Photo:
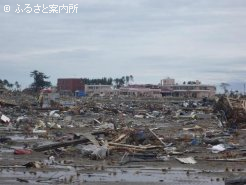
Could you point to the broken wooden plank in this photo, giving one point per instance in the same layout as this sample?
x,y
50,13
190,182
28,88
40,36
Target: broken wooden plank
x,y
7,103
122,136
146,147
244,104
229,102
157,137
228,160
97,121
60,144
22,180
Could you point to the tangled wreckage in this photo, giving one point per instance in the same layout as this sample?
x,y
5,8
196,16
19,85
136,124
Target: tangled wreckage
x,y
124,140
232,111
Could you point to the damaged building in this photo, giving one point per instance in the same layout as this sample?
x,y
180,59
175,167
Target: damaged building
x,y
190,89
70,86
98,90
140,91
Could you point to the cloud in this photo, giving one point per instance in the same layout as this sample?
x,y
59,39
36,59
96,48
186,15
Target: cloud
x,y
183,39
43,52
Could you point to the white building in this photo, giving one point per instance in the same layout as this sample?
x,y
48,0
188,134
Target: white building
x,y
192,89
140,91
101,90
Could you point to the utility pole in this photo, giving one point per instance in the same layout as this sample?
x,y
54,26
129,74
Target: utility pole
x,y
244,89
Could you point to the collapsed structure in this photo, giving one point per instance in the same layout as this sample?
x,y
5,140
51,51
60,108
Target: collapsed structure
x,y
167,87
232,110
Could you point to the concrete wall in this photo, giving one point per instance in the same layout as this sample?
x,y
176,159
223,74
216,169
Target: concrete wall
x,y
70,84
98,89
140,92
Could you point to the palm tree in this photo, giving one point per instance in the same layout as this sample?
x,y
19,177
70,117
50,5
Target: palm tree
x,y
117,82
10,86
39,80
17,85
127,79
131,78
122,80
110,80
6,83
1,84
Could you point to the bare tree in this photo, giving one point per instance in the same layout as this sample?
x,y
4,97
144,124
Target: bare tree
x,y
224,86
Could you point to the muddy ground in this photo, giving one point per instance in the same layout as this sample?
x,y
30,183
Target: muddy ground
x,y
71,167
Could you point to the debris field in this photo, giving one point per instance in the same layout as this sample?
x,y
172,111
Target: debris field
x,y
115,140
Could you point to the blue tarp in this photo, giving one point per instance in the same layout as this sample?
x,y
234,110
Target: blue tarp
x,y
80,93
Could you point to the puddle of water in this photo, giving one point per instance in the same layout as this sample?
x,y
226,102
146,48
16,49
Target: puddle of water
x,y
33,177
112,175
172,177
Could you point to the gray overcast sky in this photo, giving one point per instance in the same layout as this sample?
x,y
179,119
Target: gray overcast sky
x,y
149,39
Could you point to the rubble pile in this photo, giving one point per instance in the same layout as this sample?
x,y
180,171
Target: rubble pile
x,y
232,110
122,131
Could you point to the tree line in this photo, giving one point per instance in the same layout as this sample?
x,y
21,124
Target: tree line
x,y
40,81
102,81
7,85
117,82
124,80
